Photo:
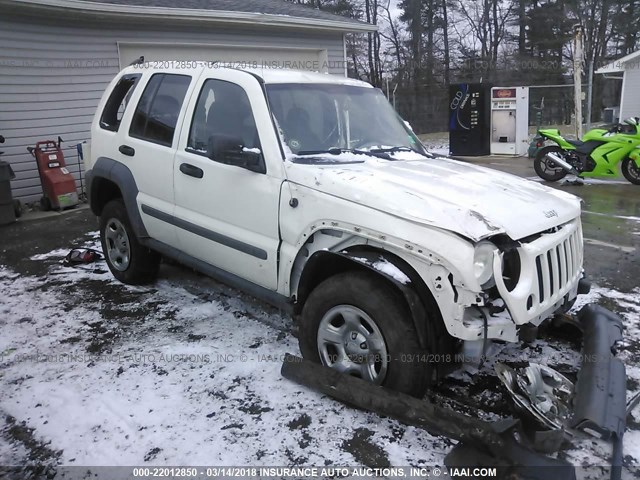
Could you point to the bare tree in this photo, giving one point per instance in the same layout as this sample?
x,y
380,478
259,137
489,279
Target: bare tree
x,y
392,35
445,38
486,22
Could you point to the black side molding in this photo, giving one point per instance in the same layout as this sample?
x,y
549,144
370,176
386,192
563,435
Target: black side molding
x,y
205,233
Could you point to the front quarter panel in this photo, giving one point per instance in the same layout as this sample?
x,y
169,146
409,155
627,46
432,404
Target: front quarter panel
x,y
315,210
323,222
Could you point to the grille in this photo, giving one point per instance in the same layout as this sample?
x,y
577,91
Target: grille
x,y
558,266
551,266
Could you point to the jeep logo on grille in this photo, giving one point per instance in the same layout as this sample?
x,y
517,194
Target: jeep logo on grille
x,y
550,213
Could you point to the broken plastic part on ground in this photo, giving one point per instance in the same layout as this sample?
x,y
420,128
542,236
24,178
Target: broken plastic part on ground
x,y
596,405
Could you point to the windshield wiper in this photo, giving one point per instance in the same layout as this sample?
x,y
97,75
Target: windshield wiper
x,y
338,151
400,148
332,151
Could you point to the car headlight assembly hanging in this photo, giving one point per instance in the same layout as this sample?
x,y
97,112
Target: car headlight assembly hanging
x,y
483,263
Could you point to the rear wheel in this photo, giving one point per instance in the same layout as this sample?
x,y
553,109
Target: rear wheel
x,y
356,323
546,168
129,261
631,171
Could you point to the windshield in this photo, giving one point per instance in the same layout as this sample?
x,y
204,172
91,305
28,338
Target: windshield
x,y
327,118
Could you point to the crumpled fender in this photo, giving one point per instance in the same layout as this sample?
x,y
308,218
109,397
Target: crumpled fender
x,y
416,305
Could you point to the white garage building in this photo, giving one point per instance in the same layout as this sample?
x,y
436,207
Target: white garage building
x,y
57,56
628,69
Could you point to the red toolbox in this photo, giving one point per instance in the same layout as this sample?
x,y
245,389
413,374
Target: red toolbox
x,y
58,185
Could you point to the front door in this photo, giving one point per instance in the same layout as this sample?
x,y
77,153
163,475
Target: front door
x,y
226,215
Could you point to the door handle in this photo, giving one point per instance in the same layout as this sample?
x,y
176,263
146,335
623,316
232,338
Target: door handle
x,y
191,170
127,150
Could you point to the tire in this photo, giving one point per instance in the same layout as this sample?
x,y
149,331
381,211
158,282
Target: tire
x,y
45,203
631,171
129,261
544,166
357,308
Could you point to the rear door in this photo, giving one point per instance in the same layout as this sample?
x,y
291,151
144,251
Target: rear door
x,y
226,215
147,148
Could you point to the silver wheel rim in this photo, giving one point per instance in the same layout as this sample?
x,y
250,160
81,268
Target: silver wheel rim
x,y
351,342
117,243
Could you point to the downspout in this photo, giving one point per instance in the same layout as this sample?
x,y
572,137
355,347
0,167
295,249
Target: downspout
x,y
344,54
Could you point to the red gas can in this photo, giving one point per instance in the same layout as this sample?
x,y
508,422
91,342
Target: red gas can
x,y
58,185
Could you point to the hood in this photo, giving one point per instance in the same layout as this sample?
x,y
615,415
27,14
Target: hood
x,y
473,201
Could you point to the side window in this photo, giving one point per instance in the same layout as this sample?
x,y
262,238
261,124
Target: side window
x,y
117,102
157,112
223,114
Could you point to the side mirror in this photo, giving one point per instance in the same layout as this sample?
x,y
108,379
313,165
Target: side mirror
x,y
231,151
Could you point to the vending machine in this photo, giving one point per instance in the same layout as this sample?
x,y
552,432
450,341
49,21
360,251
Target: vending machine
x,y
469,120
509,120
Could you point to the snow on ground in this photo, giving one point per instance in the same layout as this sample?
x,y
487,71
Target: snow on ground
x,y
440,152
118,375
436,143
187,372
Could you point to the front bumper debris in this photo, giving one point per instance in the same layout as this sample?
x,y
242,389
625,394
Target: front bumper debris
x,y
601,390
540,391
596,404
495,444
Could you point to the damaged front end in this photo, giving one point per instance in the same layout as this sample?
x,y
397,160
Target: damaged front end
x,y
549,270
552,408
530,280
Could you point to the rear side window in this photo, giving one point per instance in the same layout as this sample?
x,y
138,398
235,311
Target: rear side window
x,y
157,112
117,102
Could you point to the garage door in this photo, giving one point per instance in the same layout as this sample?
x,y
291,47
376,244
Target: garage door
x,y
235,56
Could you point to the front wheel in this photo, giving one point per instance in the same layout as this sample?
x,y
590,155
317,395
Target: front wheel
x,y
129,261
357,324
546,168
631,171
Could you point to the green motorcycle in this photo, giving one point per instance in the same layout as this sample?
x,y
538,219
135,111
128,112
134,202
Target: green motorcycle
x,y
596,155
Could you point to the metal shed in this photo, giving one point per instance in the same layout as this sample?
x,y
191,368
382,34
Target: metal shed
x,y
626,69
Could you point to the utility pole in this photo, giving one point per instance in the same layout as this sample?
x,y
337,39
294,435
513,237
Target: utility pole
x,y
394,96
589,94
577,77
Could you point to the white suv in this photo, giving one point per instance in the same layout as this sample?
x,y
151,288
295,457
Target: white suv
x,y
308,191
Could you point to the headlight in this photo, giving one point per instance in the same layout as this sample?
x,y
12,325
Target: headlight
x,y
483,262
